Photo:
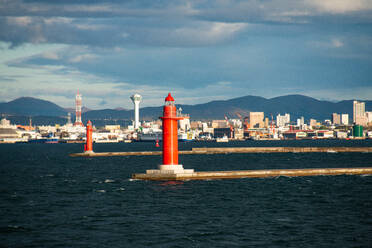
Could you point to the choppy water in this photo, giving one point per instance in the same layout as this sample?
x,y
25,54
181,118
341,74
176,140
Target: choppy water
x,y
48,199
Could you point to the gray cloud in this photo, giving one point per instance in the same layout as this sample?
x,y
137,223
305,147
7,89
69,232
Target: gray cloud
x,y
7,78
162,23
113,33
102,102
224,48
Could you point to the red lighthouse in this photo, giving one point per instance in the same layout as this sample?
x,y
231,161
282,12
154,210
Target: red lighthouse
x,y
170,138
88,147
170,132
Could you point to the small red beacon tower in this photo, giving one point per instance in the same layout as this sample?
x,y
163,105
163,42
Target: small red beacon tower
x,y
88,147
170,139
170,132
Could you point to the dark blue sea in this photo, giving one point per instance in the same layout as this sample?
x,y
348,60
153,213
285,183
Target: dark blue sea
x,y
48,199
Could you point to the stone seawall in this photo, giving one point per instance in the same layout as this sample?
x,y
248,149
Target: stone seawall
x,y
225,150
255,174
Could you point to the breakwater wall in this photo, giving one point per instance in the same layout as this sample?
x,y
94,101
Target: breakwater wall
x,y
215,150
112,154
226,150
254,174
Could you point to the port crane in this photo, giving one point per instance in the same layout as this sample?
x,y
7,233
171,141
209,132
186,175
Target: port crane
x,y
230,125
271,125
244,121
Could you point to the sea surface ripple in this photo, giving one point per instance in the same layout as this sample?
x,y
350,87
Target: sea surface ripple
x,y
48,199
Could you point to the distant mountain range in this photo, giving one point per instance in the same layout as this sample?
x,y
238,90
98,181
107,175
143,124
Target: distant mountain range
x,y
29,106
295,105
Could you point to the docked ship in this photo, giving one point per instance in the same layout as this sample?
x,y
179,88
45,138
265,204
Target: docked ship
x,y
51,140
48,139
154,136
150,137
106,140
189,136
223,139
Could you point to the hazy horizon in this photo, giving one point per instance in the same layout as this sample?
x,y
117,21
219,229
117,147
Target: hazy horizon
x,y
161,104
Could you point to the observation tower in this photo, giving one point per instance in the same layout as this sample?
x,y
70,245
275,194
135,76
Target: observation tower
x,y
136,99
78,102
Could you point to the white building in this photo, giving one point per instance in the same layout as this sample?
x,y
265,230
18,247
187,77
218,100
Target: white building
x,y
236,123
4,123
344,119
184,124
300,121
369,116
359,116
336,119
313,123
282,120
204,126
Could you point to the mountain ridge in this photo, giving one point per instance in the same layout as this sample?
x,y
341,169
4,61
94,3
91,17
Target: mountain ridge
x,y
296,105
30,106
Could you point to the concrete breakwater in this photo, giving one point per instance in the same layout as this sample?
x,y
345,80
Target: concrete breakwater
x,y
254,174
112,154
215,150
225,150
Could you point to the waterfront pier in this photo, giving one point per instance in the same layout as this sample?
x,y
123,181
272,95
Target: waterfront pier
x,y
227,150
204,175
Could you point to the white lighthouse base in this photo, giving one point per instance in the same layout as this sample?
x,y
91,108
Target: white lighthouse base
x,y
170,169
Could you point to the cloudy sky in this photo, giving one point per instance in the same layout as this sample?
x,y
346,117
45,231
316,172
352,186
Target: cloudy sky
x,y
198,50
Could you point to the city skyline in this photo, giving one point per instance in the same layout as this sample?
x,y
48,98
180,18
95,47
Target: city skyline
x,y
198,50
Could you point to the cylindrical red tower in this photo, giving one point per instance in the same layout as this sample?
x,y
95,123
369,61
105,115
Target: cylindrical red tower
x,y
88,147
170,129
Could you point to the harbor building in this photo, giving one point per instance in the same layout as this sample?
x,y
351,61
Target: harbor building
x,y
300,122
313,123
336,119
221,132
196,125
8,132
369,118
4,123
256,119
283,120
345,119
184,124
219,124
359,117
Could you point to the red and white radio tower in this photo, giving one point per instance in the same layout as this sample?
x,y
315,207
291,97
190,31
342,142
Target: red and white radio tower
x,y
78,121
